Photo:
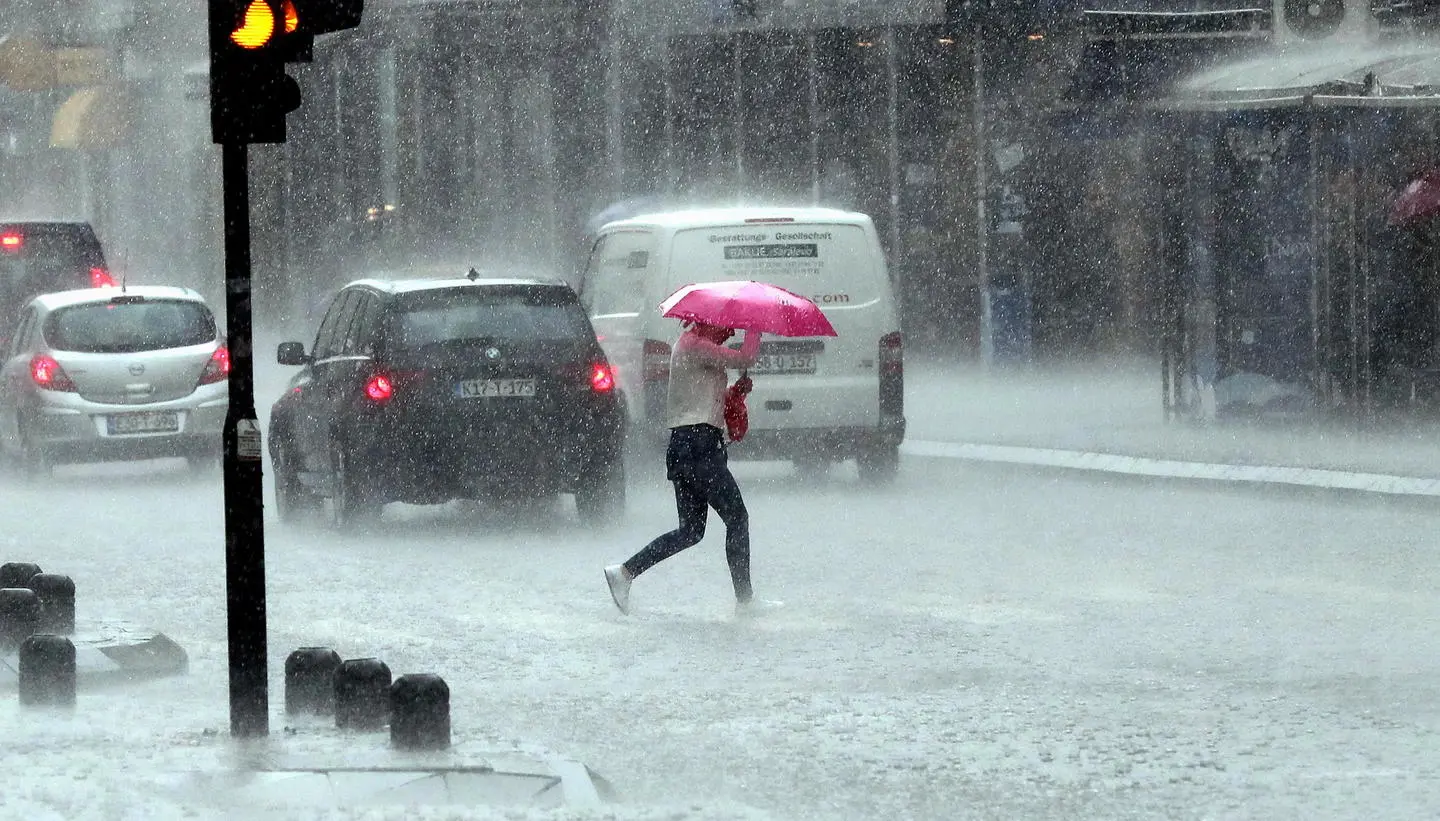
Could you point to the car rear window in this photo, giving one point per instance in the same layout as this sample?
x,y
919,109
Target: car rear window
x,y
518,314
129,327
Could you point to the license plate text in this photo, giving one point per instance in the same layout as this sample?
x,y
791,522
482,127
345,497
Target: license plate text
x,y
492,388
146,422
784,363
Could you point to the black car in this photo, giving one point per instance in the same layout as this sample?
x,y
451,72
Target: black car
x,y
44,257
424,391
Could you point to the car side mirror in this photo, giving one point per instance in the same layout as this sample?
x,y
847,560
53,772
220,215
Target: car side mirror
x,y
292,353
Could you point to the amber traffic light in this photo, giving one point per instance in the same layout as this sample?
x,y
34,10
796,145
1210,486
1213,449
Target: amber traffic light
x,y
250,42
257,25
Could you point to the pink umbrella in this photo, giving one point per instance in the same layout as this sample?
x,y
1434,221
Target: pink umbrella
x,y
748,305
1420,199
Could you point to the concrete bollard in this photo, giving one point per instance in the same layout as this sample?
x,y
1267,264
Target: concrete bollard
x,y
310,681
57,602
362,694
420,712
47,671
19,616
16,574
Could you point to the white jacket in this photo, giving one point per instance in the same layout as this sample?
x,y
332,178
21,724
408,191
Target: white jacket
x,y
698,380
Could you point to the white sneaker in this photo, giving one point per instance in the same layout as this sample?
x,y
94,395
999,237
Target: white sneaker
x,y
755,607
619,580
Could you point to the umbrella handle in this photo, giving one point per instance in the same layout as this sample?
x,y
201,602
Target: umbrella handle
x,y
744,375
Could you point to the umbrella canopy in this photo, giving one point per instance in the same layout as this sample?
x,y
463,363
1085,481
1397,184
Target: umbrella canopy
x,y
1419,200
748,305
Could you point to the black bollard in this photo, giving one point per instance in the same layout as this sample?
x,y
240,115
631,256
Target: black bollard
x,y
362,694
420,712
57,602
47,671
310,681
19,616
16,574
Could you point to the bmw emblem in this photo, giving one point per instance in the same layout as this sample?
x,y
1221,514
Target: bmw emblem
x,y
492,353
135,369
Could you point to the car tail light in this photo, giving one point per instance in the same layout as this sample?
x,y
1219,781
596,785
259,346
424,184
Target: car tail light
x,y
11,242
379,388
655,361
218,368
48,374
602,378
100,278
892,353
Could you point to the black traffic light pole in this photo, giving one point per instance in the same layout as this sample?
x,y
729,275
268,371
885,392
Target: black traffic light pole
x,y
244,506
250,94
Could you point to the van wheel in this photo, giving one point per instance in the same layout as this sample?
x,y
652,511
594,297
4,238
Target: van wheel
x,y
600,495
878,464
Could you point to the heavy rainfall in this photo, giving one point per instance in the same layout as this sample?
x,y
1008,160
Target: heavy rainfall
x,y
1110,496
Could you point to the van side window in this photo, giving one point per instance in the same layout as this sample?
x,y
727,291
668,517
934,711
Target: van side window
x,y
615,280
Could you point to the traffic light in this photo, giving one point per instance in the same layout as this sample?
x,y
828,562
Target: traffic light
x,y
250,43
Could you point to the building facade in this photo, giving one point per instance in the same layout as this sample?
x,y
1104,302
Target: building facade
x,y
997,145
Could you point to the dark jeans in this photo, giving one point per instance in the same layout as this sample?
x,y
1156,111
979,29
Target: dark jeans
x,y
697,464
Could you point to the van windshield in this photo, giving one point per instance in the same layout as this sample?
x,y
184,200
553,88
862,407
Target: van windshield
x,y
615,279
831,264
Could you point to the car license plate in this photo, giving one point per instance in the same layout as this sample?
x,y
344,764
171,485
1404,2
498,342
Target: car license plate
x,y
784,363
487,388
145,422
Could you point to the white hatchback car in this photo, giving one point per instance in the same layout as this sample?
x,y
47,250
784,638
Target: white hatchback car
x,y
114,373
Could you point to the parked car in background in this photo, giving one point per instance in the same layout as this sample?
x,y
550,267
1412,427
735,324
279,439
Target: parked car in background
x,y
114,373
428,390
43,257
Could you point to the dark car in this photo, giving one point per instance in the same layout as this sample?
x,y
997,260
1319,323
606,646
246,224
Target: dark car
x,y
45,257
424,391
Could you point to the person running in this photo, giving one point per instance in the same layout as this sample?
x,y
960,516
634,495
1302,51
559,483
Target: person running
x,y
696,461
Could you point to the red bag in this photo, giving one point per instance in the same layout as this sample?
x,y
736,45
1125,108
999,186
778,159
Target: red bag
x,y
737,415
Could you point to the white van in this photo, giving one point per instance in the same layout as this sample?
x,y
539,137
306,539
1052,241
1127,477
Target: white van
x,y
816,400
